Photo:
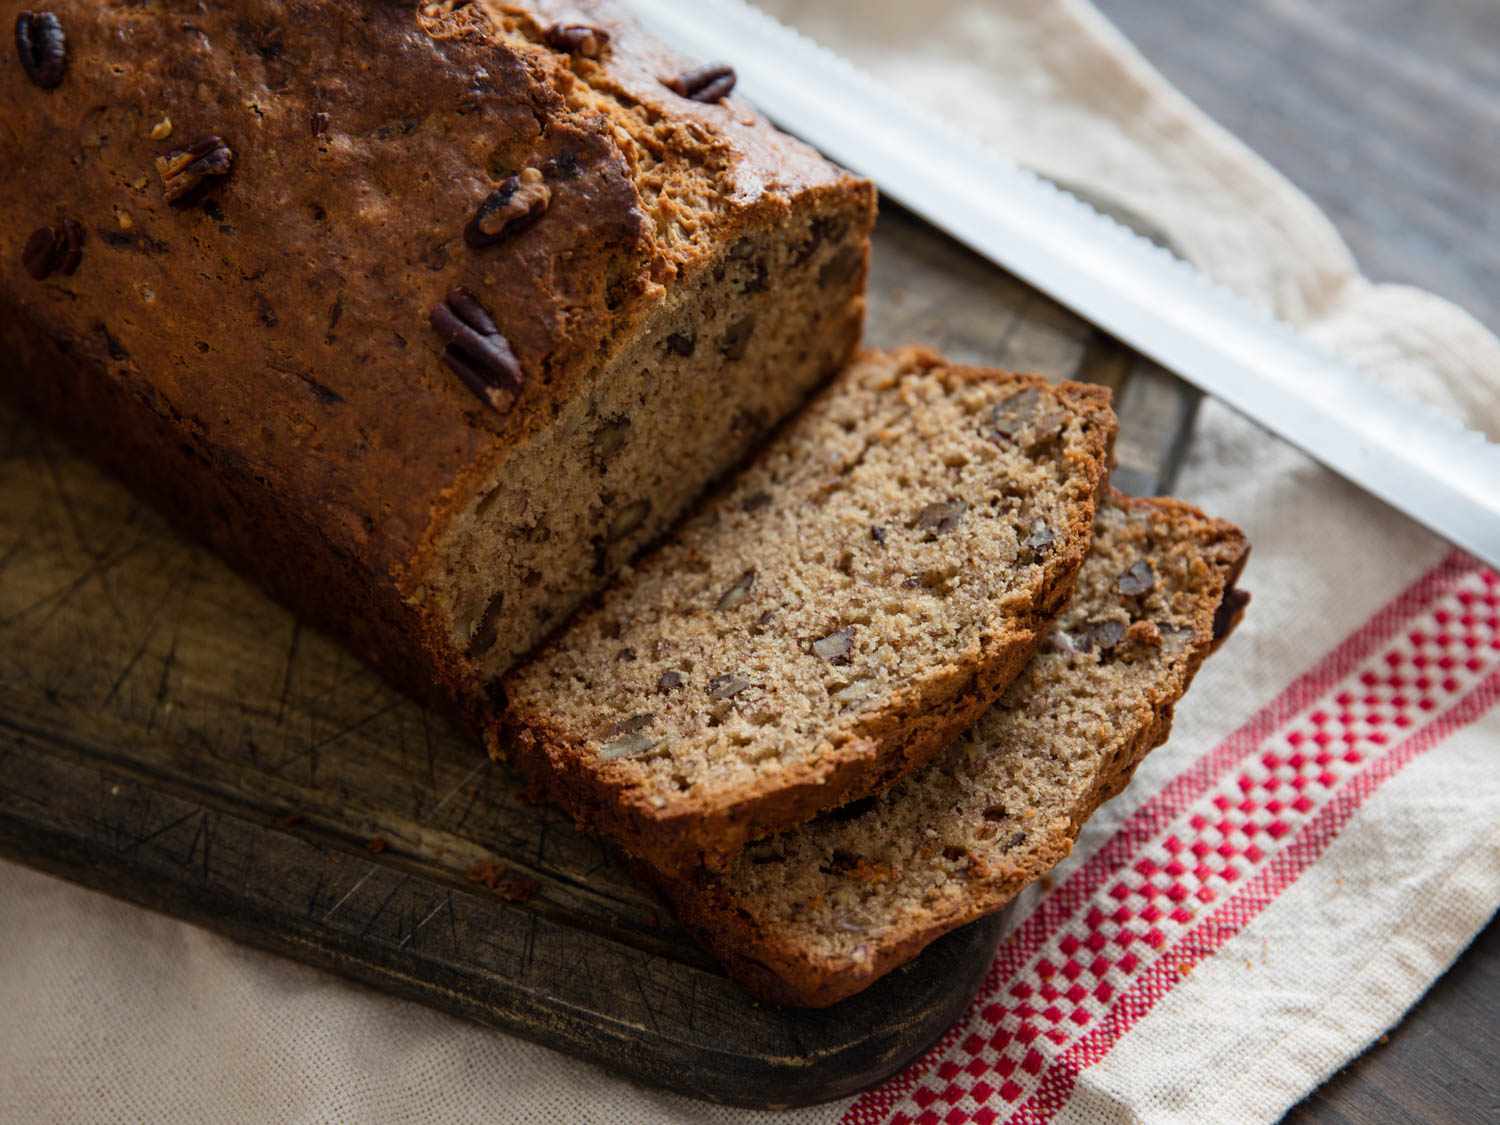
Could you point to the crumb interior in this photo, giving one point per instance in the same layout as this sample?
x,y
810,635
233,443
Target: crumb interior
x,y
892,532
731,352
1000,807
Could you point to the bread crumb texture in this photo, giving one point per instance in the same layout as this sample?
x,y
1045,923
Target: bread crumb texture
x,y
852,599
813,914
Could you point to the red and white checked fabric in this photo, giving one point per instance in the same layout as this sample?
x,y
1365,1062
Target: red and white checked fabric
x,y
1204,856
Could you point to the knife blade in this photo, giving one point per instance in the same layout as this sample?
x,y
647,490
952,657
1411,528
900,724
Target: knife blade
x,y
1407,453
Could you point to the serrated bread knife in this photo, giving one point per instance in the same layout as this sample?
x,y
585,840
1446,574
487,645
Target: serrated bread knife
x,y
1411,456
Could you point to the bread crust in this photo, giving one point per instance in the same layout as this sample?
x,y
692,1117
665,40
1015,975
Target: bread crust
x,y
913,726
261,365
785,973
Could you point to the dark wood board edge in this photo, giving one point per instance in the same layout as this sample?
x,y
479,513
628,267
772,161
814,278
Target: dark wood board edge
x,y
886,1027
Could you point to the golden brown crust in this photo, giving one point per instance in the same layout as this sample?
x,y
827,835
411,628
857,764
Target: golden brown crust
x,y
905,733
780,970
260,361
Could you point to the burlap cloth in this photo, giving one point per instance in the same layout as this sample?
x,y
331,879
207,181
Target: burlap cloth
x,y
1316,844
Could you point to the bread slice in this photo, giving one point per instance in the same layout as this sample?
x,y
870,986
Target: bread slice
x,y
813,915
827,622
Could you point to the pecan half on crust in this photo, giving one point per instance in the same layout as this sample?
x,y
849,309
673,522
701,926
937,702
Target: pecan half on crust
x,y
185,169
706,84
52,250
42,47
578,39
517,203
477,352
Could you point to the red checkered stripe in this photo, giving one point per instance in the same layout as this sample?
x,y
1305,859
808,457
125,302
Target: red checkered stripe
x,y
1203,856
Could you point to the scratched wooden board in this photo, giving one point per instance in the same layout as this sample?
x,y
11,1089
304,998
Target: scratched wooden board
x,y
171,736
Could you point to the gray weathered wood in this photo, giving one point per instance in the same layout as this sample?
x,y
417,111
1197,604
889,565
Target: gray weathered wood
x,y
169,735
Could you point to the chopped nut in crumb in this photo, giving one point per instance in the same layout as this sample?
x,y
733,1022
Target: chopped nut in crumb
x,y
1138,579
727,686
836,646
628,746
939,519
738,592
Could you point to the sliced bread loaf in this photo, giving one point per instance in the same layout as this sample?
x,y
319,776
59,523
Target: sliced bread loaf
x,y
428,315
830,620
815,914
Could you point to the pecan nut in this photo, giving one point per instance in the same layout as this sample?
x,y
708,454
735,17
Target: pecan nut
x,y
185,169
727,686
706,84
1106,635
939,519
633,725
1228,613
38,253
1138,579
1041,536
578,39
1008,419
52,250
836,646
43,48
737,593
517,203
477,352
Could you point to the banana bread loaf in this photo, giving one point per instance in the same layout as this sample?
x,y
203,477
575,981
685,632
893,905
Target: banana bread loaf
x,y
427,314
833,617
815,914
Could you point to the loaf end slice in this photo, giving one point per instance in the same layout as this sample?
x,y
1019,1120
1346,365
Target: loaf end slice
x,y
827,622
815,914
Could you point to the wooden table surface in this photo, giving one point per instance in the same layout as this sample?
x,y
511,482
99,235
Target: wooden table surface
x,y
1387,113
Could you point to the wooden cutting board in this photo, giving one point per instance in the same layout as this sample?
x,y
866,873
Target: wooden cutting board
x,y
170,736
